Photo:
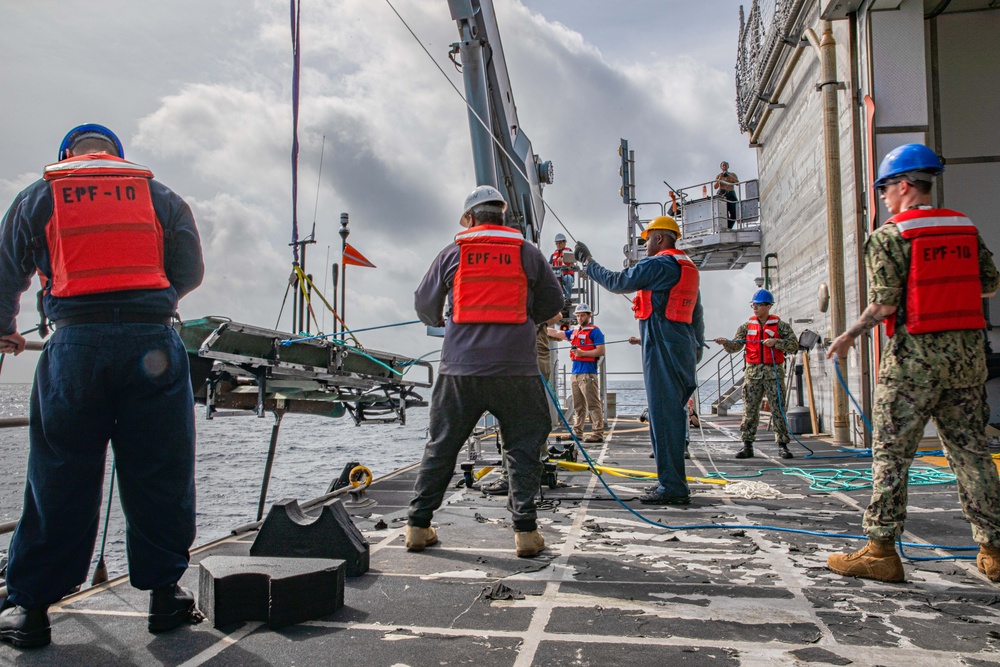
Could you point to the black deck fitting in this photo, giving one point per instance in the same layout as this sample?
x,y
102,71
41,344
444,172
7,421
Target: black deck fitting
x,y
278,591
288,532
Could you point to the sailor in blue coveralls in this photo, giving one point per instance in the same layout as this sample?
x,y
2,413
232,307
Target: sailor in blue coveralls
x,y
672,329
118,250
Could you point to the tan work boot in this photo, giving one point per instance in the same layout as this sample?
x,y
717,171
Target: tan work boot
x,y
419,538
988,562
877,560
529,544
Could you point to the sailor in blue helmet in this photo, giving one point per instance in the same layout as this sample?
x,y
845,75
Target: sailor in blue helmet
x,y
765,339
672,329
928,271
118,250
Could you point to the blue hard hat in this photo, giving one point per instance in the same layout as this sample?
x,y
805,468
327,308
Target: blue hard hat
x,y
78,133
908,158
762,296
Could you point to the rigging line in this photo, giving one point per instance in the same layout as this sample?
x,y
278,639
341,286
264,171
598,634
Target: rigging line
x,y
728,526
513,163
291,341
325,274
303,277
3,355
319,180
847,389
305,293
295,27
282,309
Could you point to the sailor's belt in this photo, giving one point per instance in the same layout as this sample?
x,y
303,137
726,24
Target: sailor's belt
x,y
112,318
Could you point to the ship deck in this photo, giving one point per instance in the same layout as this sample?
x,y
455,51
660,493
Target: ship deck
x,y
610,588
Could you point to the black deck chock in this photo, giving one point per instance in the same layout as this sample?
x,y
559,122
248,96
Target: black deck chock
x,y
288,532
278,591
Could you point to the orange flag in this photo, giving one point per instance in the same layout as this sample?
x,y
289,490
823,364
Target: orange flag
x,y
355,258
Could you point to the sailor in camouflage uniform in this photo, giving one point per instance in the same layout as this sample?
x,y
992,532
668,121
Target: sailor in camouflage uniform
x,y
929,269
766,339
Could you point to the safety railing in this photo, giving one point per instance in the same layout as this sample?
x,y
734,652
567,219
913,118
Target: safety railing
x,y
729,369
701,211
761,34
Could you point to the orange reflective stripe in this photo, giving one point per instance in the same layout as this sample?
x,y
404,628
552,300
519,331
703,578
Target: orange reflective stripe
x,y
110,271
107,228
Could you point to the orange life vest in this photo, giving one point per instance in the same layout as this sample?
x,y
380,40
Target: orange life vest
x,y
490,284
103,235
581,340
683,296
756,351
558,261
943,290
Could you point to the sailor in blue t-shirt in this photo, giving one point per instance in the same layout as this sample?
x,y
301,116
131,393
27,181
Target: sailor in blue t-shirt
x,y
587,348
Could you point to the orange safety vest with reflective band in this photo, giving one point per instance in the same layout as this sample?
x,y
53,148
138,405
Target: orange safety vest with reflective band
x,y
683,296
490,284
756,351
558,262
103,235
581,340
943,290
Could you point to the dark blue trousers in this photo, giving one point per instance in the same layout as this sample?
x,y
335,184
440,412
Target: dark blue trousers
x,y
127,384
669,371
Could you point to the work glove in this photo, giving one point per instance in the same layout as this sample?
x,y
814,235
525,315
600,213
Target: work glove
x,y
582,253
699,354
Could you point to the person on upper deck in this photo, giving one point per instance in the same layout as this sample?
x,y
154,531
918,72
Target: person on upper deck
x,y
586,350
765,340
929,271
497,289
672,334
562,263
725,186
119,250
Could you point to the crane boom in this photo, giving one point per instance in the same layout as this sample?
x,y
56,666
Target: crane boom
x,y
502,153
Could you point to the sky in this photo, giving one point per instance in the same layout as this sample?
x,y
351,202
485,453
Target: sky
x,y
200,91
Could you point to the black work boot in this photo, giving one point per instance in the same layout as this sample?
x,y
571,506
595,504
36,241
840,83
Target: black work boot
x,y
25,628
746,452
783,451
169,607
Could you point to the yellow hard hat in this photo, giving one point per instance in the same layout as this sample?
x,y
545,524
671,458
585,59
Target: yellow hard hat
x,y
661,222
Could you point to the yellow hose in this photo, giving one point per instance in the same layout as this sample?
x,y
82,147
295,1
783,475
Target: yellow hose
x,y
632,474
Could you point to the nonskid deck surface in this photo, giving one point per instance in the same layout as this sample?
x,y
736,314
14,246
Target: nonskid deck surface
x,y
609,589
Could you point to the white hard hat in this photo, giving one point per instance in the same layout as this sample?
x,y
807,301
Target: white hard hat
x,y
484,194
583,308
560,237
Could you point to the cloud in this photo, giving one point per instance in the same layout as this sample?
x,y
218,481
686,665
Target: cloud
x,y
214,123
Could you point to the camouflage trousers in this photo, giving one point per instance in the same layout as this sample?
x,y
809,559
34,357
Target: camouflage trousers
x,y
753,392
961,415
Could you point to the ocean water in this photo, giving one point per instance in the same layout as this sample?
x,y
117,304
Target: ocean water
x,y
231,453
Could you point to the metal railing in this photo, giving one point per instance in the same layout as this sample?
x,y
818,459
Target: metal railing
x,y
729,369
762,32
701,211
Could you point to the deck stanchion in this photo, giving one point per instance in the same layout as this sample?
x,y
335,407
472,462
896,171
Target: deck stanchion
x,y
278,414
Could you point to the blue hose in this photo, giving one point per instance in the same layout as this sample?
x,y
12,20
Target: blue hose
x,y
731,526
